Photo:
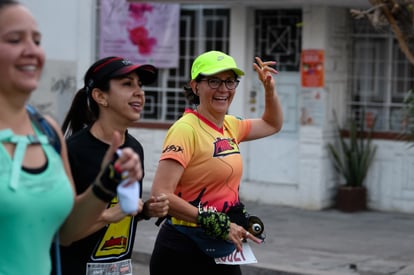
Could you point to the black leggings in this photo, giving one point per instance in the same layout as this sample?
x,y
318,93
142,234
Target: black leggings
x,y
174,253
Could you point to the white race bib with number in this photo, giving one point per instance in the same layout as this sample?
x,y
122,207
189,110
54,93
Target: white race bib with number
x,y
120,268
245,256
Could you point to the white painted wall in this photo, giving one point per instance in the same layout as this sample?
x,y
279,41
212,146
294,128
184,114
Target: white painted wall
x,y
68,36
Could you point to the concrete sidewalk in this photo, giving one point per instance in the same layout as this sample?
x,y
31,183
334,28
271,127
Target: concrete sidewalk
x,y
302,242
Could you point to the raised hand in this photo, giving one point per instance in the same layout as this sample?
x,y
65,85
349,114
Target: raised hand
x,y
264,72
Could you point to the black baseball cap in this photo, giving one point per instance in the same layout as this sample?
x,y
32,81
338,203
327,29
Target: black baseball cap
x,y
118,66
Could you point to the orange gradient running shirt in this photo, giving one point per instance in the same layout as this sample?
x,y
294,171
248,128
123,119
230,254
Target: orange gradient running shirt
x,y
211,158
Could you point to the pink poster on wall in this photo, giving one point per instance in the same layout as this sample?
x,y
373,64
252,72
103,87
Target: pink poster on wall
x,y
141,32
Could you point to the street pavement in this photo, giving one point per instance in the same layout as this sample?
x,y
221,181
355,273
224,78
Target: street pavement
x,y
327,242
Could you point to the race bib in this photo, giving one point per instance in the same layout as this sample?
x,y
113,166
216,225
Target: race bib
x,y
238,257
116,268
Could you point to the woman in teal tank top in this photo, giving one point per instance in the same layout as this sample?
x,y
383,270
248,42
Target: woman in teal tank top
x,y
31,211
37,197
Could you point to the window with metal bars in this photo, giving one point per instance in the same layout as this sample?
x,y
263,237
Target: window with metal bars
x,y
380,77
201,29
278,36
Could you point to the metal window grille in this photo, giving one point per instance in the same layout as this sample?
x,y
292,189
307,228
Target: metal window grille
x,y
380,77
278,36
201,29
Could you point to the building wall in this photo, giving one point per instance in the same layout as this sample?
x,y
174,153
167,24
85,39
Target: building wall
x,y
68,29
390,182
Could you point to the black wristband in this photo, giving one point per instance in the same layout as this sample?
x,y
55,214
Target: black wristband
x,y
105,187
110,178
141,215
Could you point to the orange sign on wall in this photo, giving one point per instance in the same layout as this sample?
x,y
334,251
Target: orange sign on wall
x,y
312,68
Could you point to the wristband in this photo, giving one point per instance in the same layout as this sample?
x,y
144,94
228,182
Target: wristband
x,y
105,187
214,224
110,178
141,215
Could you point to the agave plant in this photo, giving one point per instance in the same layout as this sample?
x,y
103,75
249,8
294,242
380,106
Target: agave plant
x,y
354,153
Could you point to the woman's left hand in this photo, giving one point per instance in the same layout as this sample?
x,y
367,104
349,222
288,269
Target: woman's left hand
x,y
264,71
157,206
238,234
130,162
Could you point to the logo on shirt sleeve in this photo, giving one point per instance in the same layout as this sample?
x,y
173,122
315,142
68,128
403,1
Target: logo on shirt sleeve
x,y
173,148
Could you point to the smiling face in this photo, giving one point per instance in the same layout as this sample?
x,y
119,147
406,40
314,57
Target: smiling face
x,y
21,57
215,101
124,101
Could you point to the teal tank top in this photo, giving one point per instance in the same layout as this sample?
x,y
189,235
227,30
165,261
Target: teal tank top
x,y
32,207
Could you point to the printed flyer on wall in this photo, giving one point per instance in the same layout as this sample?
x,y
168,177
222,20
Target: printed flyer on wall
x,y
312,68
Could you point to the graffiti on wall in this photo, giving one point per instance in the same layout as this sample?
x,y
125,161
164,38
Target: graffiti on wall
x,y
56,89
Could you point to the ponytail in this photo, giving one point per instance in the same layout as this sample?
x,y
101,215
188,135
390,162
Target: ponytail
x,y
190,95
84,110
82,113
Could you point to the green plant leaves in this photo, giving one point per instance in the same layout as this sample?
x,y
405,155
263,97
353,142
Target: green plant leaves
x,y
354,153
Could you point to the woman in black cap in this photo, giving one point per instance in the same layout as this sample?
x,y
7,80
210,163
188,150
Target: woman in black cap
x,y
112,99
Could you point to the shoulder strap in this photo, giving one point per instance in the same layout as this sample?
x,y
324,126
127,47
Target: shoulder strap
x,y
41,123
44,126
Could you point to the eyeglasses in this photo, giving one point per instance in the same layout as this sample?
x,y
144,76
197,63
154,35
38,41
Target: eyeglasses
x,y
214,83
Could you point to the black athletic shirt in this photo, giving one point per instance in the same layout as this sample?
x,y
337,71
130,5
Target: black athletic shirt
x,y
110,243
